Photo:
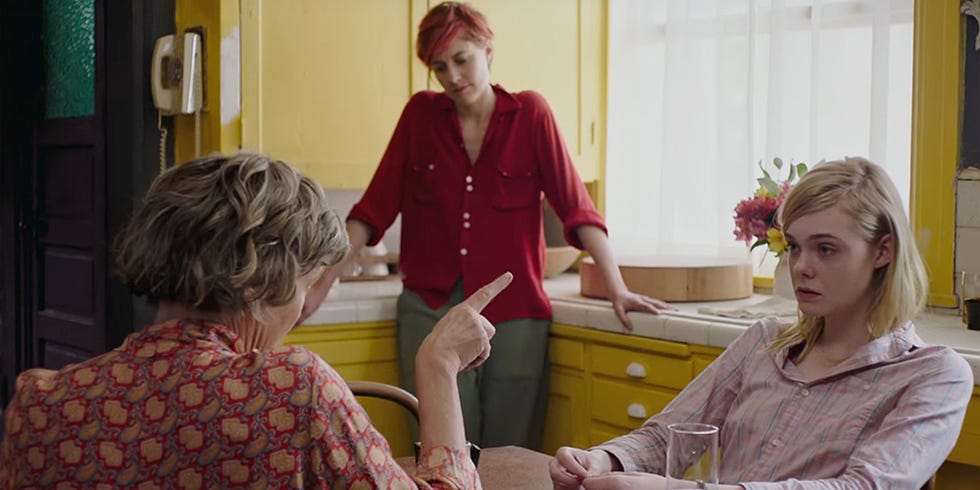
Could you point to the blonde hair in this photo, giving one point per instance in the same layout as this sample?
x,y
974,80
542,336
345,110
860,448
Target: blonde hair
x,y
228,232
864,192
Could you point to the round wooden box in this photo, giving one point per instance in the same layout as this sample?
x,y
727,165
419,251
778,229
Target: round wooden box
x,y
675,278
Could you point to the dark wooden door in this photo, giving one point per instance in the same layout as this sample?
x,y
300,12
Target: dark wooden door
x,y
77,150
65,223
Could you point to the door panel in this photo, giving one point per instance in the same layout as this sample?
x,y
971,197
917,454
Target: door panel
x,y
71,167
67,226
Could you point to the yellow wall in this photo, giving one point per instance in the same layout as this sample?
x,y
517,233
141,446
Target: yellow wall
x,y
220,20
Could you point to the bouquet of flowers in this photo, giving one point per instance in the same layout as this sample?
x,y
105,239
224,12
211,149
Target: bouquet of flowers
x,y
755,217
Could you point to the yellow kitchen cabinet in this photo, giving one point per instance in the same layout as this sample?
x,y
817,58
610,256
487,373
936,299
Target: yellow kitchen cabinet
x,y
323,83
557,48
703,356
962,468
566,421
619,381
364,351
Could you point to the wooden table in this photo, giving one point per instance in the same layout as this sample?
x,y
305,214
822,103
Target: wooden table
x,y
507,467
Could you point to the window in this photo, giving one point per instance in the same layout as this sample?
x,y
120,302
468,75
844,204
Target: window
x,y
700,91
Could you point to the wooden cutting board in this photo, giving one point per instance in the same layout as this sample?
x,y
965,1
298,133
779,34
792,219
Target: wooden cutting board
x,y
675,278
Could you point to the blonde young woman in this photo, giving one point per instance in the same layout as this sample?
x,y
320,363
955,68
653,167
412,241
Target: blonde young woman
x,y
848,396
229,247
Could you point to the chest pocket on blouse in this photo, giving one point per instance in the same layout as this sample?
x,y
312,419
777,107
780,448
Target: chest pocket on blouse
x,y
839,432
517,184
422,182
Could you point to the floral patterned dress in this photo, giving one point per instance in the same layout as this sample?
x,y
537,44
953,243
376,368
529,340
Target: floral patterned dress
x,y
183,405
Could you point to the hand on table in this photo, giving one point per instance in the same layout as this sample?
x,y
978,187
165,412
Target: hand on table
x,y
627,301
571,466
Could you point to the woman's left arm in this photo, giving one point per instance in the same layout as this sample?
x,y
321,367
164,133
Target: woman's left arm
x,y
623,300
583,225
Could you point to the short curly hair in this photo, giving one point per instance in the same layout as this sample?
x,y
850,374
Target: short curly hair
x,y
228,233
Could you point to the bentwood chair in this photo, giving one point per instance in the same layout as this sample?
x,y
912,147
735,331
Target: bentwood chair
x,y
403,398
386,392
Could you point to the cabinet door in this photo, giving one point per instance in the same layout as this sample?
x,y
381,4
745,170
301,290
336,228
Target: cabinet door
x,y
323,83
555,47
566,423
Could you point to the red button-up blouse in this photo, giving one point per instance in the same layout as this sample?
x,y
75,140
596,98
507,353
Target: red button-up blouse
x,y
476,221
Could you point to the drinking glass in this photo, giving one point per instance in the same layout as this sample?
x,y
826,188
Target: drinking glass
x,y
692,456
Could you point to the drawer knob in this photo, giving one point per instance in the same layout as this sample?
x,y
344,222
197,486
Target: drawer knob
x,y
637,411
636,370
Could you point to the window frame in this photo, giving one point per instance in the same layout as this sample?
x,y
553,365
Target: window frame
x,y
937,95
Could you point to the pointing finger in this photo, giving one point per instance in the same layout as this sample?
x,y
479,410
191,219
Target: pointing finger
x,y
482,297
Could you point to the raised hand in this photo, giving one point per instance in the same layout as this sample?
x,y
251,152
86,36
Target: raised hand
x,y
462,337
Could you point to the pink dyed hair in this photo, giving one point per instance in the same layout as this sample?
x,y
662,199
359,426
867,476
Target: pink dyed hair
x,y
446,22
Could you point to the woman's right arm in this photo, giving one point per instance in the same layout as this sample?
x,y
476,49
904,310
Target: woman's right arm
x,y
459,341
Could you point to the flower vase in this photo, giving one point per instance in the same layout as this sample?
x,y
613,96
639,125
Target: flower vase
x,y
782,283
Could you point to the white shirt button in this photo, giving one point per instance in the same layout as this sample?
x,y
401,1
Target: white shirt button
x,y
466,224
469,188
867,386
463,251
432,167
469,178
804,392
777,442
466,215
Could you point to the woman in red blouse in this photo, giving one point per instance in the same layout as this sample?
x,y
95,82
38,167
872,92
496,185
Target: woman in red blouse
x,y
466,169
229,248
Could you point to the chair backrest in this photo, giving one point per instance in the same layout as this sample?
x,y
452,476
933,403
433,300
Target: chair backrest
x,y
387,392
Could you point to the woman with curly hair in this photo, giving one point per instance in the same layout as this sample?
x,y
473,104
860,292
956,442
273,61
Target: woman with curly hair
x,y
228,248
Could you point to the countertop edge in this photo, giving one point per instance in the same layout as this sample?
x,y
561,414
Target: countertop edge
x,y
375,301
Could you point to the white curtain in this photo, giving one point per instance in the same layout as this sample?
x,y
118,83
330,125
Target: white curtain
x,y
701,90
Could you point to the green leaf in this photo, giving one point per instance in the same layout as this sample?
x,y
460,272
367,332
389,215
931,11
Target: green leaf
x,y
765,174
801,169
792,173
771,187
778,162
759,244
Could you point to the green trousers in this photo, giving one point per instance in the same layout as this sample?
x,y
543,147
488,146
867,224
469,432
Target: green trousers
x,y
504,399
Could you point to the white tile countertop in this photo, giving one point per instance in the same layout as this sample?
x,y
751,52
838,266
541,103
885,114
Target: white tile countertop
x,y
371,301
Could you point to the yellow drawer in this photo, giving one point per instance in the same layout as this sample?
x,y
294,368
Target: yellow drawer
x,y
627,405
971,423
568,353
967,449
627,364
600,434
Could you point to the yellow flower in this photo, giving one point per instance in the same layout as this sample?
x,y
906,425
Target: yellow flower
x,y
777,242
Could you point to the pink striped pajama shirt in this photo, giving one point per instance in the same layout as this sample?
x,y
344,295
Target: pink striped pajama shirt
x,y
885,418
